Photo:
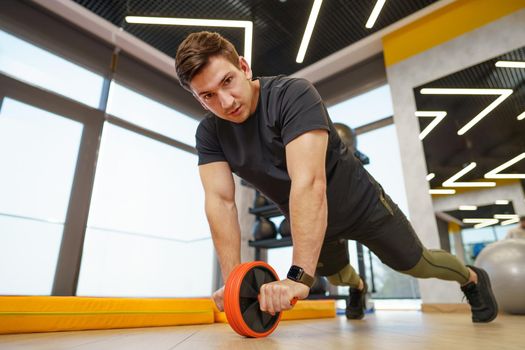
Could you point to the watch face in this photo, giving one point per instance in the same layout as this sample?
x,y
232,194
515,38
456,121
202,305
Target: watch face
x,y
295,272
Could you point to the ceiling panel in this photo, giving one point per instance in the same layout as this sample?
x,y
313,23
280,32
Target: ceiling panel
x,y
278,25
497,138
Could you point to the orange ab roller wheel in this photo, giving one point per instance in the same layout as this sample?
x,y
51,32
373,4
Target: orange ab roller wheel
x,y
241,300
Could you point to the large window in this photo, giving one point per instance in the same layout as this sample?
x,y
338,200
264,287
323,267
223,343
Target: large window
x,y
147,232
41,68
150,114
364,109
38,153
381,146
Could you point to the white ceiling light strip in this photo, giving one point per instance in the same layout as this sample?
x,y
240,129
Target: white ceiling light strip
x,y
503,95
510,222
501,202
506,216
375,13
308,31
442,191
173,21
468,207
451,182
510,64
438,117
521,116
480,223
430,176
495,173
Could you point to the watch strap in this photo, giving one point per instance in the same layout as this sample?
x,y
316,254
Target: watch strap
x,y
297,274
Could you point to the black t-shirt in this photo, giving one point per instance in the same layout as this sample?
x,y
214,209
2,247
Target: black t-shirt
x,y
255,151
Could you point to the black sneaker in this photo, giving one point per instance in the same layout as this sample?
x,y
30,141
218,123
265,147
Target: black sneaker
x,y
356,303
480,297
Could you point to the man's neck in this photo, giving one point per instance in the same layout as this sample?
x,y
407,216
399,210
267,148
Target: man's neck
x,y
256,87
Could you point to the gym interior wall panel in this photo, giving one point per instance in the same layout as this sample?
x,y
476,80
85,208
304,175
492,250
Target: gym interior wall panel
x,y
443,234
30,22
490,40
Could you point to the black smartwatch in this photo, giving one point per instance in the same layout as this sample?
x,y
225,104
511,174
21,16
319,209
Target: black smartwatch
x,y
297,274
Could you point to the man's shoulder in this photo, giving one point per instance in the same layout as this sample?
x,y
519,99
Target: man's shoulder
x,y
280,82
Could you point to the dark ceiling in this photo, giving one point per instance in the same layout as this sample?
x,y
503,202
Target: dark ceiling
x,y
278,25
496,139
485,212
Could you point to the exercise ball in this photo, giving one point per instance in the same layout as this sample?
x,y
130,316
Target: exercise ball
x,y
285,229
504,261
264,229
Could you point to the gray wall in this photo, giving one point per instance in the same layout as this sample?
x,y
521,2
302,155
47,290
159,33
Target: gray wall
x,y
491,40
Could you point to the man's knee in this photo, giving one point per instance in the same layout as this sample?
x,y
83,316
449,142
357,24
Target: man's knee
x,y
438,263
345,277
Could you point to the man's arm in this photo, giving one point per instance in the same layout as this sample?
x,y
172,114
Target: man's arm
x,y
221,212
305,159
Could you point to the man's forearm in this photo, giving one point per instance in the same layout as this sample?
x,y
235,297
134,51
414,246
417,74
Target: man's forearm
x,y
308,215
224,225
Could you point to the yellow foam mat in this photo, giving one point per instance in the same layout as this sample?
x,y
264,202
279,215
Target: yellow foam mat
x,y
19,314
304,309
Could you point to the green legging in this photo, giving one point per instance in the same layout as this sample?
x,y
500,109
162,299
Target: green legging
x,y
434,263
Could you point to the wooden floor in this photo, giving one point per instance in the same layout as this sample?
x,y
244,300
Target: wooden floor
x,y
403,330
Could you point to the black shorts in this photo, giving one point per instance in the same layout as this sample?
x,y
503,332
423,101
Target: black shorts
x,y
387,233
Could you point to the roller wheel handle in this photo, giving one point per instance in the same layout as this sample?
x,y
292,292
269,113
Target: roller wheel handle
x,y
241,300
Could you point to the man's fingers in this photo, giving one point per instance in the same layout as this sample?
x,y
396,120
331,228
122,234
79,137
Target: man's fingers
x,y
218,298
285,300
219,303
276,297
265,299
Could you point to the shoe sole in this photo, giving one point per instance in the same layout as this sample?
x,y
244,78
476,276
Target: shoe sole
x,y
492,297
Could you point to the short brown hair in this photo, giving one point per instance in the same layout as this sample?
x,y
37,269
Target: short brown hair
x,y
195,51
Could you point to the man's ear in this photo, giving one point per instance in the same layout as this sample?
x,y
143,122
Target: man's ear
x,y
245,67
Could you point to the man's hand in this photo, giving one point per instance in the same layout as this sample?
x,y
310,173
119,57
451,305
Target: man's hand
x,y
276,296
218,298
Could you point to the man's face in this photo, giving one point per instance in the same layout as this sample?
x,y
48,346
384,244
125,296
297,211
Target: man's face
x,y
226,90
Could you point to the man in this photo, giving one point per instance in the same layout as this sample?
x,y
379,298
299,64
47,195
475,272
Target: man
x,y
518,231
275,133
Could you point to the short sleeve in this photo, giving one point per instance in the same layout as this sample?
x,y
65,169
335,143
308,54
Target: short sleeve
x,y
209,149
302,110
